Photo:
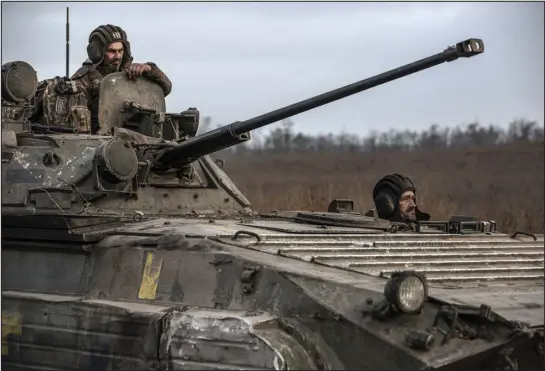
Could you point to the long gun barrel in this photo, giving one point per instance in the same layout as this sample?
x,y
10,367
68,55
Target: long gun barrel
x,y
67,42
226,136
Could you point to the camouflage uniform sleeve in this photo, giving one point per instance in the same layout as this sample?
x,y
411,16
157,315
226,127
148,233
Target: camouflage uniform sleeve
x,y
159,77
84,85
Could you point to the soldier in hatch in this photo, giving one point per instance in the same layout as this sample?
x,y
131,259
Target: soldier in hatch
x,y
109,51
395,200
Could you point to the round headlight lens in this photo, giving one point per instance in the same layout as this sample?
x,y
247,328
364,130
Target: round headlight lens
x,y
407,291
411,294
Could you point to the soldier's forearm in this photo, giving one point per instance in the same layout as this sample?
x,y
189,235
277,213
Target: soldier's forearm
x,y
159,77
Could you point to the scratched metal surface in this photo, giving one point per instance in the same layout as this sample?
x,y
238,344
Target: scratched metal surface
x,y
61,332
505,273
69,332
445,258
207,339
491,259
502,273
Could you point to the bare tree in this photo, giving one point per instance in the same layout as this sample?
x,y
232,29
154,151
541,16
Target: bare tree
x,y
284,139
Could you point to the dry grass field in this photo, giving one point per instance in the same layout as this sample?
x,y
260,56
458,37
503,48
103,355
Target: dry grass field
x,y
503,183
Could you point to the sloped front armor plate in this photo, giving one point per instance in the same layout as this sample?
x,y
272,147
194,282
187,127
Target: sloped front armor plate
x,y
443,259
505,273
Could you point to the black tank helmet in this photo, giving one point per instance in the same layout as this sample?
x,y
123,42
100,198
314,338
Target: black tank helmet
x,y
101,37
386,196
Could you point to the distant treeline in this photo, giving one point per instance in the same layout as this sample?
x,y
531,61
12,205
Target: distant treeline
x,y
285,139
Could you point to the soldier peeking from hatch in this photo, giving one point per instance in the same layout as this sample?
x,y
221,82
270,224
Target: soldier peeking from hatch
x,y
108,51
395,200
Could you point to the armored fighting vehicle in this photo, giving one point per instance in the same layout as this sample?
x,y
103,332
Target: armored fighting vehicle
x,y
132,249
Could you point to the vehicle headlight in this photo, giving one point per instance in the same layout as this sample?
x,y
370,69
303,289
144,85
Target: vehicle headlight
x,y
407,291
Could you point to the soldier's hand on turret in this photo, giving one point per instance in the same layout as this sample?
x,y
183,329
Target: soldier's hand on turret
x,y
137,69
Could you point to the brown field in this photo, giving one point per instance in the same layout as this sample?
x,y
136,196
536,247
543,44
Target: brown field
x,y
503,183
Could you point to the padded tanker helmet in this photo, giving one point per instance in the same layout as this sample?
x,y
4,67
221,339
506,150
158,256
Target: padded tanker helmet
x,y
101,37
386,196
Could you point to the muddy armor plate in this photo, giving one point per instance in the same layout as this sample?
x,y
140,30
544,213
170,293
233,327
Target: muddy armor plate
x,y
117,88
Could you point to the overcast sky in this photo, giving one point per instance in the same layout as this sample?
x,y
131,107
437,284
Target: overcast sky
x,y
236,60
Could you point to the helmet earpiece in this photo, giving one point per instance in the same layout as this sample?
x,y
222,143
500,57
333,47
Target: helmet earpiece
x,y
95,52
386,203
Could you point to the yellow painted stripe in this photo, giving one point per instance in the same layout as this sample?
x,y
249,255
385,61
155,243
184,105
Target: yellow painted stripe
x,y
150,277
11,324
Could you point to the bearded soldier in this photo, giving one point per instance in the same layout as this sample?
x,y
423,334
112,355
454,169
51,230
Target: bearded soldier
x,y
74,102
395,199
109,51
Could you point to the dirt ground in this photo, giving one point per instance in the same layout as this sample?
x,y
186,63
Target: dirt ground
x,y
502,183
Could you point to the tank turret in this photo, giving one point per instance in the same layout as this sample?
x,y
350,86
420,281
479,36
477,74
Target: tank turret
x,y
144,159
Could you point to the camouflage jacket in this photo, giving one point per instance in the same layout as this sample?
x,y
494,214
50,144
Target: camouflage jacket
x,y
56,102
89,76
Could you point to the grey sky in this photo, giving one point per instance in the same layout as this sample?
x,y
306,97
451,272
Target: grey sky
x,y
236,60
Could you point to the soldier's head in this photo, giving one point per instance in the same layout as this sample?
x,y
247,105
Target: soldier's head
x,y
395,199
114,54
109,46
